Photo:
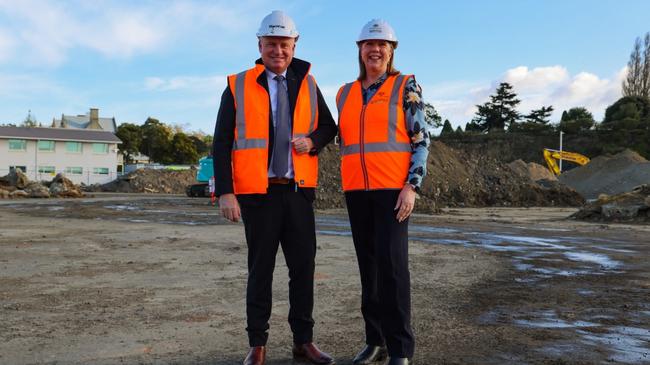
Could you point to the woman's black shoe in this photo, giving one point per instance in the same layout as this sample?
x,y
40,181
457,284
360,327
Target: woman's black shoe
x,y
370,355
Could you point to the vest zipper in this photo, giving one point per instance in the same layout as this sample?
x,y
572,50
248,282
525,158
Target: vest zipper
x,y
361,149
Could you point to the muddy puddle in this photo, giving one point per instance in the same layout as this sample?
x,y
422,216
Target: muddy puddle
x,y
547,257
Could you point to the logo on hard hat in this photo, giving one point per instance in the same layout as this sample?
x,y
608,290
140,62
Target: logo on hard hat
x,y
375,28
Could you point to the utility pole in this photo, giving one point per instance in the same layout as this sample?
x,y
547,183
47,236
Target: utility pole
x,y
561,133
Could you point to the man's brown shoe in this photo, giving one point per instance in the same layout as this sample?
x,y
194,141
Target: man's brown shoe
x,y
256,356
308,352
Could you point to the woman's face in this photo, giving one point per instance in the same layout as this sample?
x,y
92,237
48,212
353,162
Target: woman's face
x,y
375,55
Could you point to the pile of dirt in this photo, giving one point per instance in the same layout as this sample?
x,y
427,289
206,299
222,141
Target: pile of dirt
x,y
533,170
17,185
609,175
150,181
632,206
458,179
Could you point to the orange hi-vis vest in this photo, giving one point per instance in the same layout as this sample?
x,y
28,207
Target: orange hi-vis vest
x,y
250,148
375,146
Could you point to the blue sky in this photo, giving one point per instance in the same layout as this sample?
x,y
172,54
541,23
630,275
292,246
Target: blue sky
x,y
169,59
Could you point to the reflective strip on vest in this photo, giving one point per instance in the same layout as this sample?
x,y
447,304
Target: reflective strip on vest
x,y
313,99
392,109
376,147
344,95
392,145
241,115
246,144
243,143
339,105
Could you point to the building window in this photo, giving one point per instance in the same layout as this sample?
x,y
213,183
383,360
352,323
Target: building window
x,y
17,145
46,170
14,168
73,147
100,148
46,146
73,170
100,170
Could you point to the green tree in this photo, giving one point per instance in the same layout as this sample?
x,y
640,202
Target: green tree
x,y
473,127
628,112
540,116
202,143
156,141
637,81
184,149
131,137
30,121
431,116
500,111
459,130
447,129
576,120
538,120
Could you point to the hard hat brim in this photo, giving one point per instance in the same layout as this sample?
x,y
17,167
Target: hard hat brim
x,y
359,42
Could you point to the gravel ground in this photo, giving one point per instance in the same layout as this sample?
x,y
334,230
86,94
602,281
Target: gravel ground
x,y
134,279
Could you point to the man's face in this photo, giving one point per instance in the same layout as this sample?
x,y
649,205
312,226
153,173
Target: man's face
x,y
277,52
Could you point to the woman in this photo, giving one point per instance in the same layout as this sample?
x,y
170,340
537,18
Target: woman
x,y
384,148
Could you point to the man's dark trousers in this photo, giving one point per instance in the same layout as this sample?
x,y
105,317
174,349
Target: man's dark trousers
x,y
282,216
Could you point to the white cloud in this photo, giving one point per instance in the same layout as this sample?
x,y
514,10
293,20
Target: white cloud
x,y
537,79
49,31
537,87
190,84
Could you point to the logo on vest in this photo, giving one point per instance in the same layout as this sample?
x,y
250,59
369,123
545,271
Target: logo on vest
x,y
379,99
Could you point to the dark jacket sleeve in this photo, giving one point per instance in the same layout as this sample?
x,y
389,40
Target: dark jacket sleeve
x,y
326,130
224,135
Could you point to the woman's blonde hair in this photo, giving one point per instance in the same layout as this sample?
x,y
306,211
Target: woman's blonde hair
x,y
390,69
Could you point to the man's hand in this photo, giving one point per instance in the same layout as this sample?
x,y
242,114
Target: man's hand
x,y
229,207
302,145
405,202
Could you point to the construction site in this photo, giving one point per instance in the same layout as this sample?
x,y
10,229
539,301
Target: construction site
x,y
510,264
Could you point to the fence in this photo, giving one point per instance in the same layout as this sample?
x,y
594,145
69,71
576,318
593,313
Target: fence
x,y
86,177
154,166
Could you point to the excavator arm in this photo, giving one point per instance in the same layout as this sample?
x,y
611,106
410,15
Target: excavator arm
x,y
552,156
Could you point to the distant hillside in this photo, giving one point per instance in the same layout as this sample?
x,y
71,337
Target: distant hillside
x,y
508,147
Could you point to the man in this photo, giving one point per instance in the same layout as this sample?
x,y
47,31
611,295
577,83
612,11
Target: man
x,y
271,124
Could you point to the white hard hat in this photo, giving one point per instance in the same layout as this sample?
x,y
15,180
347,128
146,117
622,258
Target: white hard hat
x,y
377,29
277,24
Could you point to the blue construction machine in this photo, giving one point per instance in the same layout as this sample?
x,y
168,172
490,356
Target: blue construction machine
x,y
203,176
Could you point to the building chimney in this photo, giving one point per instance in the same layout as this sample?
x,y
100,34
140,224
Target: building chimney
x,y
94,119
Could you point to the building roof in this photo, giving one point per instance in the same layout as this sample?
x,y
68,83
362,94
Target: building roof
x,y
82,122
58,134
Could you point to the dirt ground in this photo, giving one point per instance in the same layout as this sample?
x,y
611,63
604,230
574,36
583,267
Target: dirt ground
x,y
135,279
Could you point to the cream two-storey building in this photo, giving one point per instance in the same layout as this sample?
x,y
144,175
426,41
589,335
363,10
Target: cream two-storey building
x,y
88,156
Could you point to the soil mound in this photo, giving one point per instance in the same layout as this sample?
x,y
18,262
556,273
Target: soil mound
x,y
609,175
533,170
632,206
151,181
457,179
17,185
64,187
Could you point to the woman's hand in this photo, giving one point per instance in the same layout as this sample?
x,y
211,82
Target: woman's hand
x,y
405,202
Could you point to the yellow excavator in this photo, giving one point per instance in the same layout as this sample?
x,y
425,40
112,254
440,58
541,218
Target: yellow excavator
x,y
552,156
